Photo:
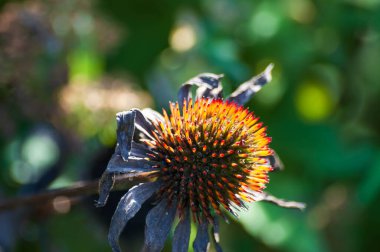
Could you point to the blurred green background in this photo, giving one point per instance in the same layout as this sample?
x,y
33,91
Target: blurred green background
x,y
66,68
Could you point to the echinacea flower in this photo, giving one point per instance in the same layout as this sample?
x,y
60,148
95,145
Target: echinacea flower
x,y
206,157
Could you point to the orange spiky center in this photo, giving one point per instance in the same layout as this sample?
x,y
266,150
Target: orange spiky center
x,y
212,156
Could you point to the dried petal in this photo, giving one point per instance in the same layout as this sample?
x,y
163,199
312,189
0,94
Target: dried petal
x,y
205,81
246,90
128,206
105,186
132,165
152,115
215,236
201,241
125,131
276,162
182,234
118,165
158,224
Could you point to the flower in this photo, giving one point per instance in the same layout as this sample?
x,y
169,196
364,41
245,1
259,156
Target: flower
x,y
206,157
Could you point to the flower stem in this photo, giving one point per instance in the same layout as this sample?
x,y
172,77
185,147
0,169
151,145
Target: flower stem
x,y
82,188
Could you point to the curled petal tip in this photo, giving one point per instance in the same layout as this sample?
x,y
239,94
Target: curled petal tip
x,y
268,72
99,204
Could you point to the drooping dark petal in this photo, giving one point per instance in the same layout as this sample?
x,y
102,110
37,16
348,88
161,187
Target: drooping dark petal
x,y
201,241
209,93
246,90
125,131
158,223
139,150
214,81
182,234
117,165
152,115
142,123
132,165
127,121
128,206
206,81
105,186
276,162
215,236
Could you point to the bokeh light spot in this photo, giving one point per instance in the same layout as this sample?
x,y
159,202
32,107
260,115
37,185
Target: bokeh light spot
x,y
61,204
313,101
303,11
83,23
183,38
276,233
366,3
21,172
85,65
264,24
257,222
40,150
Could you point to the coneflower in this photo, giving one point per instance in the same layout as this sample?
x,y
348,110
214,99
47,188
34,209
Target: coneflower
x,y
208,156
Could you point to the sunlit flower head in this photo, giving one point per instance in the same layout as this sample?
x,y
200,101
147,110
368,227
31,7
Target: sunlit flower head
x,y
211,156
206,158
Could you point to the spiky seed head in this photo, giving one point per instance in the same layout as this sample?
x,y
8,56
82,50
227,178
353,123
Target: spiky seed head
x,y
212,156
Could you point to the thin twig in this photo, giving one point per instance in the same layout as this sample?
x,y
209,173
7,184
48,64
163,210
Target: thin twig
x,y
83,188
280,202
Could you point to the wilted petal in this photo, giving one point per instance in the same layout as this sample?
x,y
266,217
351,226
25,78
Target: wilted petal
x,y
125,131
152,115
139,150
105,186
205,90
158,223
128,206
275,162
117,165
132,165
215,236
205,81
246,90
127,121
182,234
201,241
142,123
